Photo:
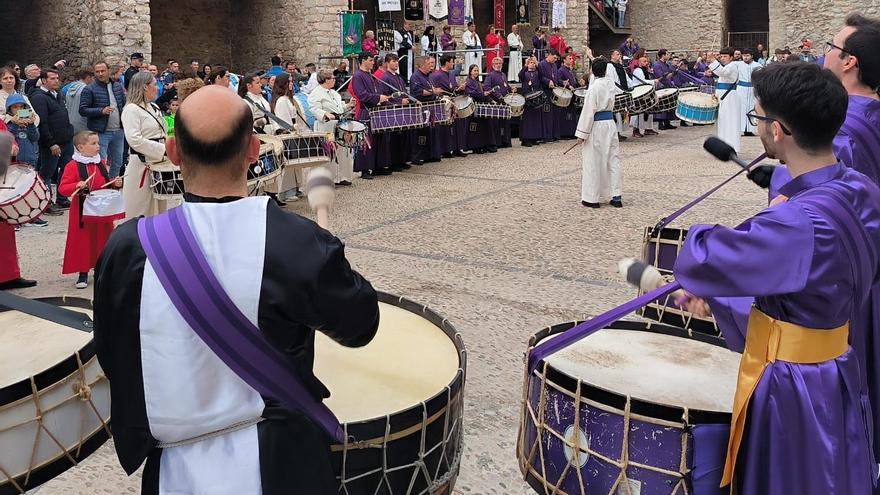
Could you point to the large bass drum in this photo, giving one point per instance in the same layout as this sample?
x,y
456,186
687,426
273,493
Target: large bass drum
x,y
635,408
400,400
54,398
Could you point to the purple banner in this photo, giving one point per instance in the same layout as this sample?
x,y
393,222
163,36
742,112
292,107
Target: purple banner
x,y
456,12
544,14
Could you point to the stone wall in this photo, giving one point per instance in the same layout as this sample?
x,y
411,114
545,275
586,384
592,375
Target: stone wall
x,y
123,27
191,29
44,32
793,20
679,26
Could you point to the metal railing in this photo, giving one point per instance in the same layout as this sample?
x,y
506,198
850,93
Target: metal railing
x,y
748,39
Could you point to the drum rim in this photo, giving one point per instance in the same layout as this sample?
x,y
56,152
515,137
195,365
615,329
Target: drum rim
x,y
374,429
57,372
638,406
649,87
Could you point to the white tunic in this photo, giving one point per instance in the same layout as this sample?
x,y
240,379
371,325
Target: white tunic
x,y
515,63
600,152
398,41
257,105
472,40
145,132
321,102
729,113
746,93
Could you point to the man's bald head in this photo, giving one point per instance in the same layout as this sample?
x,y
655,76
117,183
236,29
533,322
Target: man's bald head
x,y
213,129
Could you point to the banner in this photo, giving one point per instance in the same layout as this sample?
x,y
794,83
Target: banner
x,y
522,12
389,5
499,14
414,10
385,35
544,14
468,10
352,25
438,9
456,13
559,13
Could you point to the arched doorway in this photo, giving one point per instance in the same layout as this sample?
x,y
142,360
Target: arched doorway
x,y
748,23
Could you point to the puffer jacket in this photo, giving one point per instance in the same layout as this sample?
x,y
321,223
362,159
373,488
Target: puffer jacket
x,y
95,99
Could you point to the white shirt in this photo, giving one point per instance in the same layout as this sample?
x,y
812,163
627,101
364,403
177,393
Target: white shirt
x,y
312,84
514,41
726,73
471,40
285,111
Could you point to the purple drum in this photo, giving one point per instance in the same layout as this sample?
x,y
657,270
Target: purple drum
x,y
662,251
635,408
442,111
398,118
492,111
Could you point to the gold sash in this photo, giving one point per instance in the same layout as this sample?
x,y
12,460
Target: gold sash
x,y
766,341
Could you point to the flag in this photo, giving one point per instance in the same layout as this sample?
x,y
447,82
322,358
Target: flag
x,y
559,13
456,13
522,11
468,11
352,27
438,9
414,10
499,14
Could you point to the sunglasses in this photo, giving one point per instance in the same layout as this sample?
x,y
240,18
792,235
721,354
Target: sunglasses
x,y
754,118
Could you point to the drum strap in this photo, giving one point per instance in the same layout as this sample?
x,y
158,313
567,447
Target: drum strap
x,y
271,116
195,291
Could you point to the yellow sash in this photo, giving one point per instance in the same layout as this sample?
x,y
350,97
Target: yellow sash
x,y
766,341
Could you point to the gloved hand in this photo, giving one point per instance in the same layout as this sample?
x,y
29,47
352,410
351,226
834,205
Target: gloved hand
x,y
761,175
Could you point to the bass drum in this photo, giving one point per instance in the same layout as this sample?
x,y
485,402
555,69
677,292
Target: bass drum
x,y
400,400
54,398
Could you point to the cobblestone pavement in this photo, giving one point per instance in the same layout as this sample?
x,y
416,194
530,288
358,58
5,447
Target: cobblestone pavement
x,y
497,243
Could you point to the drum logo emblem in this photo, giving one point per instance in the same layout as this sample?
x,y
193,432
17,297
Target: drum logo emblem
x,y
580,458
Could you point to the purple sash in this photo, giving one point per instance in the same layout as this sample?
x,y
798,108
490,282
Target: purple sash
x,y
194,290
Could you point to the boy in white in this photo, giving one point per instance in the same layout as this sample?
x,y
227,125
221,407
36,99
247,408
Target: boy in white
x,y
745,91
597,134
729,113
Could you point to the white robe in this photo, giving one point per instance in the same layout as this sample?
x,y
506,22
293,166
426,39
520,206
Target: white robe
x,y
472,40
398,41
729,113
600,151
515,63
746,93
321,102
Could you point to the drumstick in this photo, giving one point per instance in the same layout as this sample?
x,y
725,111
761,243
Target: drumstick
x,y
570,148
321,194
646,277
79,189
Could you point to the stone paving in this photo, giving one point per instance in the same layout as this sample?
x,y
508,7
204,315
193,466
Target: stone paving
x,y
497,243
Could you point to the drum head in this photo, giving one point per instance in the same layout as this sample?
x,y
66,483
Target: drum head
x,y
20,178
463,101
654,367
352,126
409,361
581,92
514,99
642,90
698,99
665,92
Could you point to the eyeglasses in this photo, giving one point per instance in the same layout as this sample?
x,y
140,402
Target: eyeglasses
x,y
754,118
831,46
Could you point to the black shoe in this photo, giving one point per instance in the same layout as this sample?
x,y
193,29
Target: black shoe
x,y
616,202
418,162
621,137
527,144
492,150
62,203
406,166
19,283
590,205
382,171
433,160
366,174
684,124
447,155
749,134
479,151
398,168
53,210
343,183
459,153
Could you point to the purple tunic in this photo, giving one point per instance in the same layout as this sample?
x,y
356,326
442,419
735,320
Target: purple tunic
x,y
628,50
428,143
395,145
367,93
552,114
807,430
449,143
570,114
661,70
497,81
540,45
479,132
531,126
447,42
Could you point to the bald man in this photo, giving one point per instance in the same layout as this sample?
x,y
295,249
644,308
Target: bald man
x,y
184,396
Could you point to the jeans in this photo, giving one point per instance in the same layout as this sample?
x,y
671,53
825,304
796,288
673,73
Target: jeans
x,y
49,163
620,15
111,149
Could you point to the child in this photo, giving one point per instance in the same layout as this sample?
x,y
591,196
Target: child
x,y
171,115
23,127
597,134
85,239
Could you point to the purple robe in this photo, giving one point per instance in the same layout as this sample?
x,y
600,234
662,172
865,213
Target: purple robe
x,y
367,92
449,144
396,145
570,114
447,42
479,133
531,127
808,424
628,51
661,70
540,46
552,114
700,70
428,143
497,81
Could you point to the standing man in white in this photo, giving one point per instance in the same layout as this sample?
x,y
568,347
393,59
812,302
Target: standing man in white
x,y
730,111
597,134
471,41
745,91
514,64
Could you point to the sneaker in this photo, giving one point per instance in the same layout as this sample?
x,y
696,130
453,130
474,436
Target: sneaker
x,y
81,284
343,183
621,137
637,133
616,202
53,210
37,223
651,132
590,205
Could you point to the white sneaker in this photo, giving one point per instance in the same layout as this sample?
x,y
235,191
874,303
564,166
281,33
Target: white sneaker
x,y
82,285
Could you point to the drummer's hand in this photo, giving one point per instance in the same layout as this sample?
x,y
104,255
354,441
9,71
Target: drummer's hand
x,y
404,101
512,89
696,305
581,141
487,93
461,86
55,149
437,91
552,85
779,200
384,98
117,182
81,184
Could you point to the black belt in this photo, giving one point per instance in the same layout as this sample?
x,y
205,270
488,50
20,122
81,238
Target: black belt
x,y
141,156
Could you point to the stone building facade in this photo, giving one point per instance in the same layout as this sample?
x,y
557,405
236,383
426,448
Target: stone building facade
x,y
245,33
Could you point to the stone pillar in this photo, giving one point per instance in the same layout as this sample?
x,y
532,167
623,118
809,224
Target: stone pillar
x,y
123,27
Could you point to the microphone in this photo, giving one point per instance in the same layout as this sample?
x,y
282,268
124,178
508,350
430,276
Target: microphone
x,y
723,151
6,140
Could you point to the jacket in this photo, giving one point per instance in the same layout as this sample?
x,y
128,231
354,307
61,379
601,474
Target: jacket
x,y
93,101
55,126
72,98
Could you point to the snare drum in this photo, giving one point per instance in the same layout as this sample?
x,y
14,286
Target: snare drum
x,y
406,413
165,181
464,106
667,100
54,398
580,95
23,195
643,99
535,99
697,108
398,118
633,408
662,251
561,97
267,166
622,101
303,148
442,111
350,134
517,104
103,206
492,111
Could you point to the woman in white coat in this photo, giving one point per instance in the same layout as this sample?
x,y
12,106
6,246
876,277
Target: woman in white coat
x,y
327,107
145,131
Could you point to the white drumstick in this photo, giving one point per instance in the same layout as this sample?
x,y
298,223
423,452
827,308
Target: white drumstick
x,y
321,194
644,276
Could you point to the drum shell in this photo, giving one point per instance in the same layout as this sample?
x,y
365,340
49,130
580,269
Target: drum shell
x,y
642,103
444,412
535,99
492,111
660,435
580,96
24,205
398,118
561,97
697,108
465,106
350,134
517,104
666,101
